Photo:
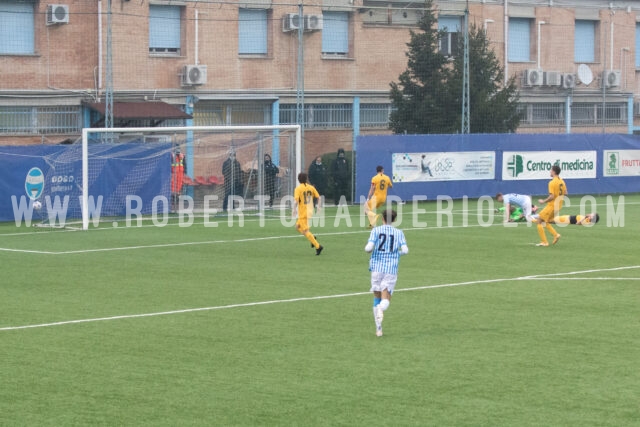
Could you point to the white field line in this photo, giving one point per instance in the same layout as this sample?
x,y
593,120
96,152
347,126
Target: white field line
x,y
584,278
221,221
629,267
281,301
210,242
27,251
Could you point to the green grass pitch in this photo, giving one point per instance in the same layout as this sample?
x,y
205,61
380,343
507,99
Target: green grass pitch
x,y
240,326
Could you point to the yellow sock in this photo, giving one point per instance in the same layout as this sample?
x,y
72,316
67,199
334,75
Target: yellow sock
x,y
310,237
551,230
372,217
543,237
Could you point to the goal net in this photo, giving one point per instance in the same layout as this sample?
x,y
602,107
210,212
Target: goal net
x,y
151,171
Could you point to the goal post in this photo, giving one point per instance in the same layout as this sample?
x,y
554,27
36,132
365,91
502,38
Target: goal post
x,y
195,167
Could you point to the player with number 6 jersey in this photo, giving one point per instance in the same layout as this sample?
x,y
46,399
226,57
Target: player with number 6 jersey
x,y
386,244
380,184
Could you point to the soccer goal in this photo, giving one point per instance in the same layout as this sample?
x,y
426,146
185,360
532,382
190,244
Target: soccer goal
x,y
171,169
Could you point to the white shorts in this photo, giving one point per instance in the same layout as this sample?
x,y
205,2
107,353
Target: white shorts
x,y
527,208
382,281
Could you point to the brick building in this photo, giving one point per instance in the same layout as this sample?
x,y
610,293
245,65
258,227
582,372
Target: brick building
x,y
237,63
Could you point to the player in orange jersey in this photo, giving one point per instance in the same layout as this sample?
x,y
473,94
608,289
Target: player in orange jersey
x,y
303,197
554,201
380,183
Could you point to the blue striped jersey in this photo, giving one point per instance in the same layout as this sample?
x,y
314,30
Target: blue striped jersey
x,y
387,241
516,199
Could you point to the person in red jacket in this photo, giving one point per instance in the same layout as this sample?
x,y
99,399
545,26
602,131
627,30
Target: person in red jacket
x,y
177,176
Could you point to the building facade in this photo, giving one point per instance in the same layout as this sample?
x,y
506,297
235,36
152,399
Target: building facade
x,y
246,63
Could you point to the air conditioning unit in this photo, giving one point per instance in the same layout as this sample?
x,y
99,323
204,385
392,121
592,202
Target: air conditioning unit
x,y
312,22
552,78
568,81
290,22
194,75
533,77
611,78
57,14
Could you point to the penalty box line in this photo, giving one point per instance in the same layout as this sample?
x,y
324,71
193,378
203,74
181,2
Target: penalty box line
x,y
290,300
211,242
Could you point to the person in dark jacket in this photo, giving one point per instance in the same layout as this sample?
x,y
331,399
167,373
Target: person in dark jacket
x,y
340,172
318,175
270,174
232,172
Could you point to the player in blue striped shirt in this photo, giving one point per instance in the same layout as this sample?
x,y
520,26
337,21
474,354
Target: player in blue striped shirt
x,y
386,244
513,199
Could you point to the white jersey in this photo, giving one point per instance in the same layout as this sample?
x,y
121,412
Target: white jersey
x,y
387,241
519,200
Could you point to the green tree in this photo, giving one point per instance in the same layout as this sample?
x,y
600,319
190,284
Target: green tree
x,y
428,96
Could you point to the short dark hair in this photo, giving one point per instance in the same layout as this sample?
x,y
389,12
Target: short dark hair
x,y
302,178
556,169
389,215
498,196
379,168
597,218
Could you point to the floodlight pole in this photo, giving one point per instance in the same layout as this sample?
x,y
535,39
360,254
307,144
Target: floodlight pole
x,y
300,77
108,99
465,75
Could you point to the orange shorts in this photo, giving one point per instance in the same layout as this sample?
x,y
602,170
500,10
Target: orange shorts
x,y
302,224
547,214
374,203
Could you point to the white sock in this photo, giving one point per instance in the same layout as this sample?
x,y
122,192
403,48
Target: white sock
x,y
374,317
384,304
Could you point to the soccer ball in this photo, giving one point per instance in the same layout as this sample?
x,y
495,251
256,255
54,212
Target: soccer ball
x,y
37,205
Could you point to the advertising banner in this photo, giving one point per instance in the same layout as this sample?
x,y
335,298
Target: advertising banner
x,y
53,174
443,166
527,165
621,163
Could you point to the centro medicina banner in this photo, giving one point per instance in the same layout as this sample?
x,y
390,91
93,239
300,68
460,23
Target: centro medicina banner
x,y
524,165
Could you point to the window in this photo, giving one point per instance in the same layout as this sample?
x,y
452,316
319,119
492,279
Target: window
x,y
585,41
637,51
208,115
336,116
590,114
164,29
335,33
542,114
250,114
17,28
375,115
448,43
216,114
252,31
40,120
519,39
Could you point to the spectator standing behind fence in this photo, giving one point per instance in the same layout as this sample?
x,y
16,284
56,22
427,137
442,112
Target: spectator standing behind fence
x,y
270,173
340,172
232,173
318,176
178,171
